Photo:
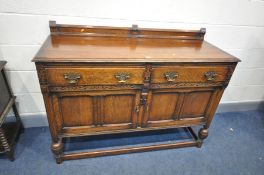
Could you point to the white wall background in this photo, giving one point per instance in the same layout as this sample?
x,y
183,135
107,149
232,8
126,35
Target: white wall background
x,y
236,26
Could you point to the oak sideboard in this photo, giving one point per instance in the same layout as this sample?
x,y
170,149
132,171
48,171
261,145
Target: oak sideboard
x,y
105,80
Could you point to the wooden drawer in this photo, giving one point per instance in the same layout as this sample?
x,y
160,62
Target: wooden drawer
x,y
94,75
166,74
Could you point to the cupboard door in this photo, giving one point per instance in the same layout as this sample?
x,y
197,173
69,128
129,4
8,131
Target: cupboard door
x,y
195,104
163,106
77,111
177,107
96,111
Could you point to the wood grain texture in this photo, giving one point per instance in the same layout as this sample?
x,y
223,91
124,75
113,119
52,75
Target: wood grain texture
x,y
100,49
92,75
189,73
195,104
69,43
163,106
127,80
79,114
127,150
119,109
96,111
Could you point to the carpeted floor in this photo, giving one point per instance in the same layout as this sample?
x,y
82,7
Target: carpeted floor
x,y
235,146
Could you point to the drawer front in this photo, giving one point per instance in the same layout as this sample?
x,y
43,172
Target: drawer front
x,y
167,74
95,75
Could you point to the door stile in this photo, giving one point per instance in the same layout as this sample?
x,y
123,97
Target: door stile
x,y
145,95
178,107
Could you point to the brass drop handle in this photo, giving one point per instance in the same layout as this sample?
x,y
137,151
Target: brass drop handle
x,y
210,76
72,77
170,76
122,77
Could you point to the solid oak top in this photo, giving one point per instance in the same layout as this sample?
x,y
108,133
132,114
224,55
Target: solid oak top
x,y
74,43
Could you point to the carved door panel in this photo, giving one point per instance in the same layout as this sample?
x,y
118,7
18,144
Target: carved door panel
x,y
96,111
177,107
195,104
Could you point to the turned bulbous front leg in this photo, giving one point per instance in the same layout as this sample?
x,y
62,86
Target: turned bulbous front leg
x,y
203,134
56,148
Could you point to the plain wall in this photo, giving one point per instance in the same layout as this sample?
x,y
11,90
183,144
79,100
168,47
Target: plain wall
x,y
235,26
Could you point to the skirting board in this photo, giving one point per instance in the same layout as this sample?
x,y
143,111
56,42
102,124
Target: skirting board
x,y
240,106
40,119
